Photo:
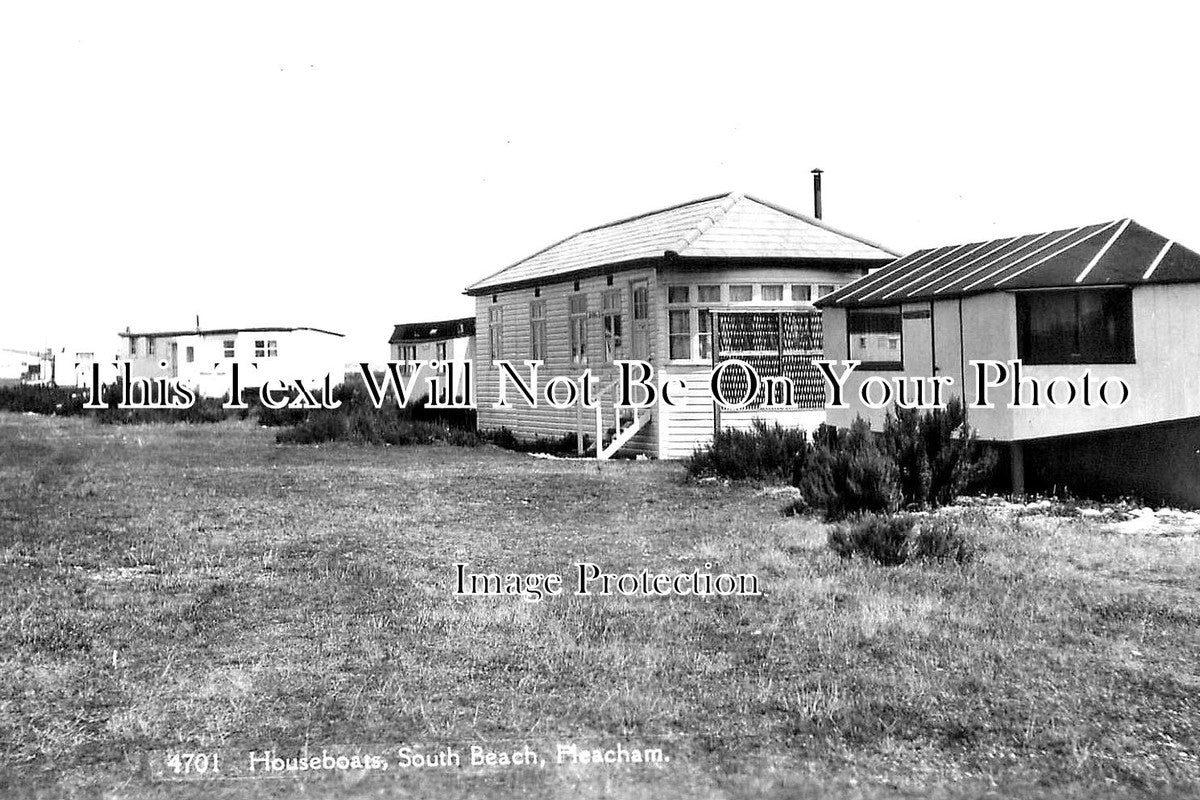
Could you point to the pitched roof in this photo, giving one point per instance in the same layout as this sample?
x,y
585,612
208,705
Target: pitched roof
x,y
1120,252
220,331
722,226
433,331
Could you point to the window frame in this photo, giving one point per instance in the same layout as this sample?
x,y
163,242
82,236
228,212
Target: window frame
x,y
612,335
496,332
1128,348
537,329
577,311
229,348
851,333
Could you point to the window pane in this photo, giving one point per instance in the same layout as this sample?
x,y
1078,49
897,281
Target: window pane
x,y
741,293
708,294
824,289
1064,327
801,293
677,294
772,292
875,335
680,333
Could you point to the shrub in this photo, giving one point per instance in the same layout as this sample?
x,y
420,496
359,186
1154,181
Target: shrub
x,y
324,426
61,401
900,538
761,453
937,455
847,473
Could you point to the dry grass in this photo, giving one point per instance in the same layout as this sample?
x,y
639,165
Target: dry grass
x,y
202,586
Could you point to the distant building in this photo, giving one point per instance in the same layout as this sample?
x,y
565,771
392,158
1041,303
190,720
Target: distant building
x,y
414,344
203,357
650,288
1113,298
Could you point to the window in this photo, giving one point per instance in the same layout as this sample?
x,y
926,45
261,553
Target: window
x,y
265,348
228,345
677,294
440,351
641,301
741,293
133,347
537,329
406,354
496,332
150,340
875,337
1084,326
578,328
679,332
610,307
772,293
704,332
708,294
801,293
824,289
189,354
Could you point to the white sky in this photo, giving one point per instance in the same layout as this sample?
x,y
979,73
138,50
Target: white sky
x,y
354,165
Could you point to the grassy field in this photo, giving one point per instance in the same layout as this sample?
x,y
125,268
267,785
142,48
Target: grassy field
x,y
202,588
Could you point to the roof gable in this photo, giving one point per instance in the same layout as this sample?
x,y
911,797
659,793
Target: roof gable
x,y
1120,252
723,226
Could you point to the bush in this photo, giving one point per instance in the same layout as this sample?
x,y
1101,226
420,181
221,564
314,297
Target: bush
x,y
565,445
61,401
900,538
847,473
761,453
358,421
937,455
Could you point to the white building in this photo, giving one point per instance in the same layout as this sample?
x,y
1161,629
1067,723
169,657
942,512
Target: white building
x,y
203,358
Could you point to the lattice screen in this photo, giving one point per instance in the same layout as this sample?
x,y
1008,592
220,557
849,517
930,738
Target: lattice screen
x,y
775,343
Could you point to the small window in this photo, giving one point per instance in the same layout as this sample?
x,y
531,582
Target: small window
x,y
704,332
228,348
641,301
772,292
577,321
741,293
150,342
875,337
610,306
801,293
496,332
537,330
1087,326
677,294
406,354
189,354
440,351
680,333
824,289
133,347
708,294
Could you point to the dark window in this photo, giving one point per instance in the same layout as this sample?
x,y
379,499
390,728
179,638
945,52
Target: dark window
x,y
1086,326
875,337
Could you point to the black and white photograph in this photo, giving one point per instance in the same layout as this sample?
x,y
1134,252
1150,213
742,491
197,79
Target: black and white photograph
x,y
625,400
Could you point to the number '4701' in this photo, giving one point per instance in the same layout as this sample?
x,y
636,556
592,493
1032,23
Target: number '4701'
x,y
193,763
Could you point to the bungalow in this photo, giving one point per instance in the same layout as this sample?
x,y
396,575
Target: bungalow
x,y
1111,301
654,287
202,358
450,341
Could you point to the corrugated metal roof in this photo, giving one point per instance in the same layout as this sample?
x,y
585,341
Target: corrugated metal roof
x,y
1119,252
723,226
431,331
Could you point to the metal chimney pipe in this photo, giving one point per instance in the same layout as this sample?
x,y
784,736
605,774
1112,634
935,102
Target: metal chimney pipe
x,y
816,173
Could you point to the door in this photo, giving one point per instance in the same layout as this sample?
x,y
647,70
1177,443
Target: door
x,y
639,329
